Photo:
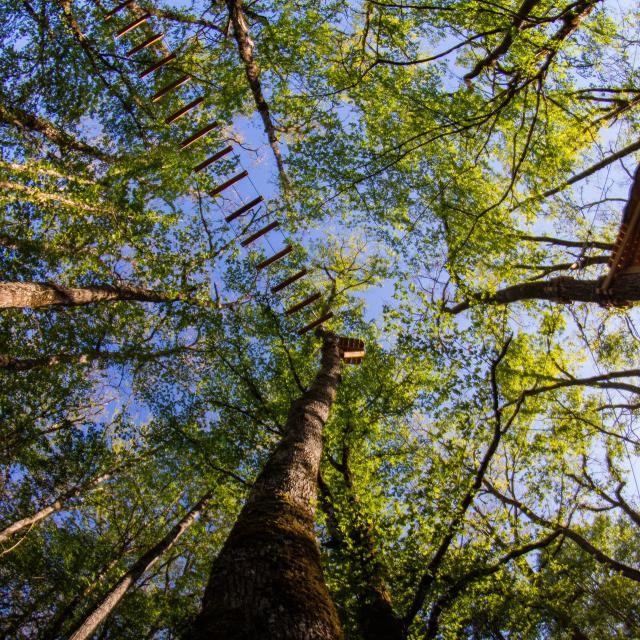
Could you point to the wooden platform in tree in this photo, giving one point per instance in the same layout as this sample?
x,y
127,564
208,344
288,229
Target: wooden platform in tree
x,y
352,349
625,257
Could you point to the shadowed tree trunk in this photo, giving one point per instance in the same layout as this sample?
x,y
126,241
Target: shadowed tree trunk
x,y
100,613
375,613
267,581
624,289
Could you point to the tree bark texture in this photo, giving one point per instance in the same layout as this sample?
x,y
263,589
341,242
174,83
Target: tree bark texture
x,y
267,581
624,290
19,295
100,613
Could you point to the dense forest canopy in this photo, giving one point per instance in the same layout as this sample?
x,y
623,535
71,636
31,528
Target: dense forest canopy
x,y
451,178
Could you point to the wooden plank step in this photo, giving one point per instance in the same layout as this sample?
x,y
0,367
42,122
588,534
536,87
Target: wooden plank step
x,y
132,25
184,110
290,280
187,142
212,159
172,86
147,43
117,9
274,258
258,234
228,183
157,65
315,323
302,304
238,212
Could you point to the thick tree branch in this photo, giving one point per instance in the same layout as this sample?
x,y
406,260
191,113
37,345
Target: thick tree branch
x,y
26,121
518,21
561,242
625,289
20,295
35,295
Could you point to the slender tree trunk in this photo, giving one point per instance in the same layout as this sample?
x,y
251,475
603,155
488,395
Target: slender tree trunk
x,y
52,632
54,506
245,49
18,295
99,614
267,581
61,502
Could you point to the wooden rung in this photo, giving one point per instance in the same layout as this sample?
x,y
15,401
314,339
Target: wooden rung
x,y
212,159
157,65
274,258
132,25
143,45
183,110
228,183
258,234
243,209
117,9
187,142
302,304
172,86
353,354
315,323
285,283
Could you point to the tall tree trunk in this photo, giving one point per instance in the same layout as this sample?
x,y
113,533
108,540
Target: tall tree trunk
x,y
18,295
99,614
267,581
64,614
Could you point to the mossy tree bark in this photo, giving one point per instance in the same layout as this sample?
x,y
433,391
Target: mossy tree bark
x,y
267,581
